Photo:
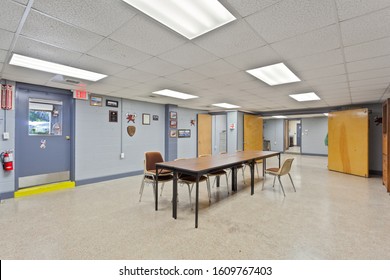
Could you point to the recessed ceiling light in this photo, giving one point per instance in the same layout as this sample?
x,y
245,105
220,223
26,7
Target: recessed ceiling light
x,y
175,94
46,66
310,96
279,117
188,17
275,74
226,105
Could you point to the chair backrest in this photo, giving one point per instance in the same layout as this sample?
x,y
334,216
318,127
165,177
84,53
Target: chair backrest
x,y
151,158
286,167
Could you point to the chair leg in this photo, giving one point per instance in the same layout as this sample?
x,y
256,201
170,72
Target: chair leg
x,y
292,182
189,194
141,190
281,185
227,182
257,169
162,188
243,174
273,185
262,188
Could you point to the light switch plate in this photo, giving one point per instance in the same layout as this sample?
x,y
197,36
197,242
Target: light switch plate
x,y
5,135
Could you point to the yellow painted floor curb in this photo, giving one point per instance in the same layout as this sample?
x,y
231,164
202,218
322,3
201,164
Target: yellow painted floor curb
x,y
45,188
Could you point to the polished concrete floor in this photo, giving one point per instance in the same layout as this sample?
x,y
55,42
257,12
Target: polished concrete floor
x,y
331,216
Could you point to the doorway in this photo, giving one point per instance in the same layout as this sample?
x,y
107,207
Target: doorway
x,y
43,134
293,136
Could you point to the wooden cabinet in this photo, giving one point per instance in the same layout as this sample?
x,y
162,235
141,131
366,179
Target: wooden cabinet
x,y
385,143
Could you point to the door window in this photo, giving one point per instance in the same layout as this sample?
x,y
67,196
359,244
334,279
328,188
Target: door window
x,y
45,117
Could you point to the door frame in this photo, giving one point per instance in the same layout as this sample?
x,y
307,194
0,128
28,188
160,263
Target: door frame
x,y
72,108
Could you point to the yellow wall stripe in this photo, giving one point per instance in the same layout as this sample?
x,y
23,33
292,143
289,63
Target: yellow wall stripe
x,y
45,188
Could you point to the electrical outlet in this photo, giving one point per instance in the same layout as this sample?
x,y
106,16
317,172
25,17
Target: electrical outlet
x,y
122,155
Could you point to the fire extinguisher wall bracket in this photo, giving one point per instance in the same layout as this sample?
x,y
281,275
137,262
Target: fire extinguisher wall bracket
x,y
6,97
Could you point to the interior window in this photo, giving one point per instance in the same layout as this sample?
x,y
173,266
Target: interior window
x,y
45,117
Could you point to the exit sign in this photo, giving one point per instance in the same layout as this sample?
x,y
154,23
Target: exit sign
x,y
80,94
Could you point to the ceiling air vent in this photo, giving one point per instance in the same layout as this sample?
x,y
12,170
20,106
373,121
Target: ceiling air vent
x,y
66,80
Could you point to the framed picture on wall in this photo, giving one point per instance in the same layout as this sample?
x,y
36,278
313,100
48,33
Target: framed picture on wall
x,y
111,103
96,101
184,133
146,119
172,115
172,124
173,134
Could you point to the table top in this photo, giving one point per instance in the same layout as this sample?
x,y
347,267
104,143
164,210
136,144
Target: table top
x,y
205,164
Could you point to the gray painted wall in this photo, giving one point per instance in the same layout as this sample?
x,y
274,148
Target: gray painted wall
x,y
7,124
219,125
240,131
314,131
186,147
273,131
99,142
232,133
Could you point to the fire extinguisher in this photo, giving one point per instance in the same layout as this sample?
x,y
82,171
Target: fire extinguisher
x,y
7,159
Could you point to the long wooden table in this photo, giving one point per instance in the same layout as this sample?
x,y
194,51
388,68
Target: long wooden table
x,y
201,166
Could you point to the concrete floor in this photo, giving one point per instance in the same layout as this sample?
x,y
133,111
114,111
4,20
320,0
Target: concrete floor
x,y
331,216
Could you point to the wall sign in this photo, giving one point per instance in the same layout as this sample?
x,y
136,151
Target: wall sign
x,y
113,116
111,103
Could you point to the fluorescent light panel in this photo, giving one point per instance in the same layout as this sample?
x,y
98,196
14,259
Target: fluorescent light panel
x,y
175,94
226,105
326,114
279,117
42,65
309,96
275,74
188,17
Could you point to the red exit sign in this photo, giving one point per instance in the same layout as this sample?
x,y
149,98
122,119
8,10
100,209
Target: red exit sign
x,y
80,94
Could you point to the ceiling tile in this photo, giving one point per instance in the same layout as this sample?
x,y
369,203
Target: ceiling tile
x,y
57,33
30,75
186,76
92,15
352,8
35,49
289,18
215,68
10,20
102,88
313,42
3,55
313,74
230,39
188,55
368,50
371,87
247,7
6,39
367,82
209,84
368,64
370,74
136,75
366,28
367,94
254,58
235,78
318,60
24,2
112,80
95,64
158,67
328,80
147,35
118,53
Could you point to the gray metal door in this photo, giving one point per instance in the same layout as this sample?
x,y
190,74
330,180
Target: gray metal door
x,y
43,132
299,134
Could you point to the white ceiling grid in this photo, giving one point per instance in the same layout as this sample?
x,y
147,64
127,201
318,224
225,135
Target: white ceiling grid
x,y
338,48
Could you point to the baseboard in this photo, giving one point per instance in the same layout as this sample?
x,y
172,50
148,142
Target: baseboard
x,y
6,195
107,178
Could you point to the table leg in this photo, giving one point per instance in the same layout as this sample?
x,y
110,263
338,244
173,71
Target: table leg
x,y
218,181
197,202
234,179
252,167
174,196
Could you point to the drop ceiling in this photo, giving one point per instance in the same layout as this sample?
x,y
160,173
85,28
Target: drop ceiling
x,y
340,49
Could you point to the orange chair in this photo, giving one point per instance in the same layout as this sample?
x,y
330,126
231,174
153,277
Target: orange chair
x,y
277,172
